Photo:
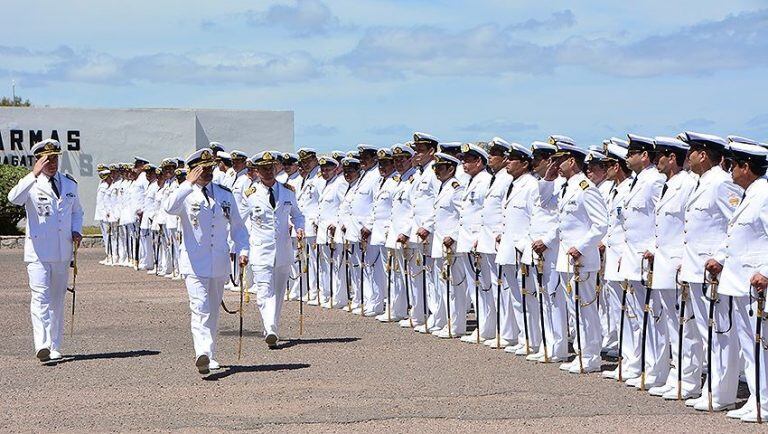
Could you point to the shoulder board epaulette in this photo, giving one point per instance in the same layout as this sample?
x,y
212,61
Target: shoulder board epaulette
x,y
396,178
411,179
70,177
224,188
249,191
584,185
319,174
289,187
455,184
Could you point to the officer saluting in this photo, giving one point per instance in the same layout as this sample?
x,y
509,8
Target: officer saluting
x,y
208,213
54,223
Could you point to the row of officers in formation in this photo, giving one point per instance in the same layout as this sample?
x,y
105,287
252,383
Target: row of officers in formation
x,y
650,250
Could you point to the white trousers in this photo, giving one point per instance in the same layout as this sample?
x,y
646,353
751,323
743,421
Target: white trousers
x,y
555,314
610,313
397,299
722,354
629,329
375,278
530,318
204,299
329,276
485,310
590,339
672,306
104,227
745,331
146,250
269,298
172,266
48,282
656,354
487,292
418,278
453,295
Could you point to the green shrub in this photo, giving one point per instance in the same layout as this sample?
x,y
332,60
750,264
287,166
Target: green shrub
x,y
10,214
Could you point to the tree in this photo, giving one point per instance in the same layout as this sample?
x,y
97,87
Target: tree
x,y
16,101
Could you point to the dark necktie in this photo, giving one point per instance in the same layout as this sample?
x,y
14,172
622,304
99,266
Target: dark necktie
x,y
272,198
563,188
381,184
509,189
55,189
664,190
614,192
441,187
303,180
205,193
634,181
493,178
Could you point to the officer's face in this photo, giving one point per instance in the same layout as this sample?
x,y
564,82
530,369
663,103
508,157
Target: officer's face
x,y
741,174
291,168
596,172
516,166
207,175
266,173
565,166
367,159
51,165
696,157
306,165
497,158
402,163
540,163
635,160
423,154
444,172
386,167
328,171
351,173
472,164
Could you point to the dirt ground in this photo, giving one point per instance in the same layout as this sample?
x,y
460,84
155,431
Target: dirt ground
x,y
130,366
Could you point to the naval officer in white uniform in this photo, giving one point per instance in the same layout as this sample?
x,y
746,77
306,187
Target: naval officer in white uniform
x,y
208,213
54,223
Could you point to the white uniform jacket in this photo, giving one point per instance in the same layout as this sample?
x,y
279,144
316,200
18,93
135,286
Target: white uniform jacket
x,y
270,228
668,237
99,213
402,213
328,211
447,208
50,220
637,218
422,198
205,225
583,221
309,199
744,251
346,217
544,221
707,212
493,212
380,216
471,216
519,207
614,237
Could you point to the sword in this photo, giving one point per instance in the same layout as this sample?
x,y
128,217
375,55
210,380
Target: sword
x,y
73,290
137,236
109,243
424,281
710,284
389,285
683,296
498,308
647,283
406,279
332,248
448,258
577,308
240,331
524,292
302,272
540,279
625,286
476,259
347,275
317,272
362,271
758,349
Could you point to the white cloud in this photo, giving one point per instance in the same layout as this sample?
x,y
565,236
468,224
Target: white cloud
x,y
35,68
302,18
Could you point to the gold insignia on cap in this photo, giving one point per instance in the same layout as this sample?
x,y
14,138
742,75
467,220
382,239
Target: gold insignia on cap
x,y
267,156
302,153
286,156
206,155
465,147
552,141
382,153
323,160
397,150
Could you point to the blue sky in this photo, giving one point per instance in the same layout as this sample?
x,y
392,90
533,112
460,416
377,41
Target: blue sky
x,y
365,71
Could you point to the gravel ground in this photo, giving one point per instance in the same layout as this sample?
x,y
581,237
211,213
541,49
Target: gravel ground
x,y
130,366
